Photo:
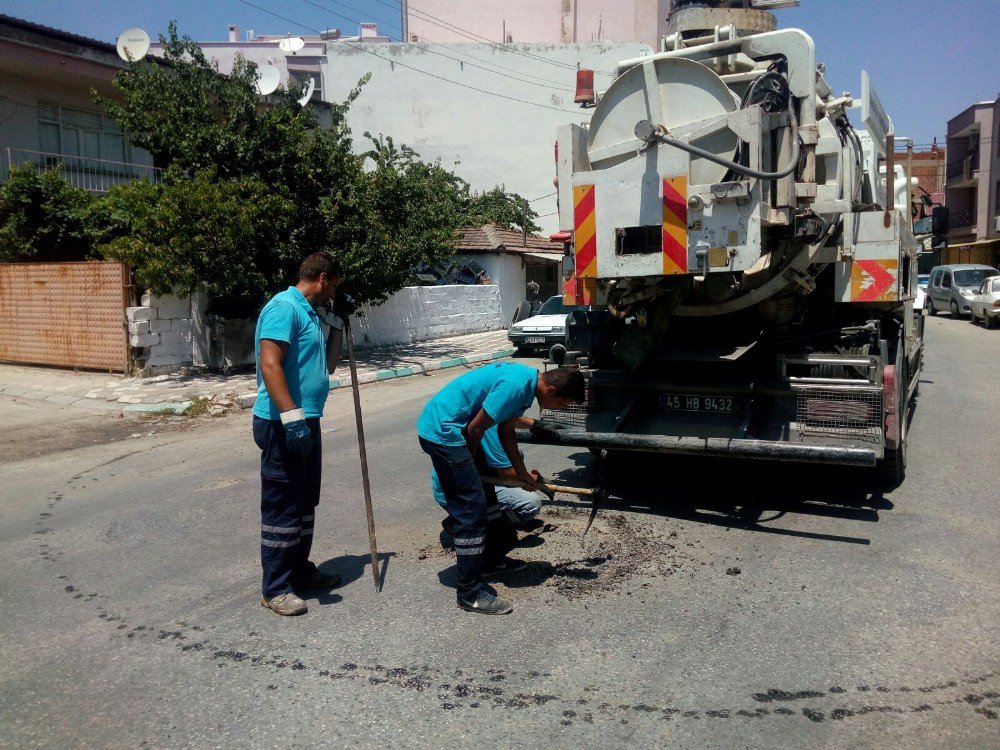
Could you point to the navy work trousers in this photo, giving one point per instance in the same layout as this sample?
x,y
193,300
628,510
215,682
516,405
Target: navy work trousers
x,y
467,503
289,494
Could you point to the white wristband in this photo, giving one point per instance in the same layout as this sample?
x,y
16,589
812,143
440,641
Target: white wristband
x,y
292,415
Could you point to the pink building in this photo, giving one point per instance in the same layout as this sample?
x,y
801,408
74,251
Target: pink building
x,y
556,21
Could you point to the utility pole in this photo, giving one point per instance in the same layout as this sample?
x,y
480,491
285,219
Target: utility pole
x,y
405,20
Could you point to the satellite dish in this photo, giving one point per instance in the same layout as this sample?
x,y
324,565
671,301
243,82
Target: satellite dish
x,y
268,78
133,44
309,92
291,44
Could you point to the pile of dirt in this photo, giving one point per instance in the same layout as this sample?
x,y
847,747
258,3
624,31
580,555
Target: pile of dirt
x,y
616,551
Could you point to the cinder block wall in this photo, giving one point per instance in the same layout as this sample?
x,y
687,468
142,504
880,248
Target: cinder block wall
x,y
161,334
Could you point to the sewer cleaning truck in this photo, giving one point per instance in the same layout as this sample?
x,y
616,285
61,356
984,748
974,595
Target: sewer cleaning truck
x,y
745,272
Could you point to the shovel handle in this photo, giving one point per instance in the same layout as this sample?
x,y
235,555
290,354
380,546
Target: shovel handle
x,y
544,486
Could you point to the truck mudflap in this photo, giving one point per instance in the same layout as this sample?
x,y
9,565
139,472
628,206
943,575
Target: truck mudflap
x,y
770,450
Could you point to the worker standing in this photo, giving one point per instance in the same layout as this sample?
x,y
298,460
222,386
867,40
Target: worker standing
x,y
450,429
292,387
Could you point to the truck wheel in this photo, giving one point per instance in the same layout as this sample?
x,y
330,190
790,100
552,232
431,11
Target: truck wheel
x,y
930,306
892,467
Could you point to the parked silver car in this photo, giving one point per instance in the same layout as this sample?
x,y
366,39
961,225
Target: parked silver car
x,y
986,302
952,287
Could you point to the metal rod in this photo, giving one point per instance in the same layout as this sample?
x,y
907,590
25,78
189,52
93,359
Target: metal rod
x,y
364,456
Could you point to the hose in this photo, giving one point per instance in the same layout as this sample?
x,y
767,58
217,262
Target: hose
x,y
793,162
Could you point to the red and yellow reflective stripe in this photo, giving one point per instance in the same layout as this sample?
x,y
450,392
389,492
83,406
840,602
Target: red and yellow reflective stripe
x,y
578,291
874,280
675,247
585,235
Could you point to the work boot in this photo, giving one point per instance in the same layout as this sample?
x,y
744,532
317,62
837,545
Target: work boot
x,y
503,566
285,604
486,603
532,524
316,579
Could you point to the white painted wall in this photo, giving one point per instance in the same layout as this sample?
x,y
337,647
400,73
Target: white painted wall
x,y
422,313
169,333
507,272
485,139
540,20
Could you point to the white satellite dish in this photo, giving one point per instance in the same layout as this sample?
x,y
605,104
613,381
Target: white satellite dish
x,y
309,92
291,44
133,44
268,78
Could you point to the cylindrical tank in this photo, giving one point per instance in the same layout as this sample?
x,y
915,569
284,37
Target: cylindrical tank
x,y
695,18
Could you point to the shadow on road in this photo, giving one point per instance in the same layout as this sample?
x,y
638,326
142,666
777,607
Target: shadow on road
x,y
725,492
350,568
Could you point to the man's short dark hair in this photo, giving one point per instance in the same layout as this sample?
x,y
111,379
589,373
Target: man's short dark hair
x,y
567,382
317,263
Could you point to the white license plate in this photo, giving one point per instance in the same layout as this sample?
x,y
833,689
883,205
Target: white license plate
x,y
534,340
688,402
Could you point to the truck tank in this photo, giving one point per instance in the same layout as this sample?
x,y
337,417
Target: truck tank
x,y
748,285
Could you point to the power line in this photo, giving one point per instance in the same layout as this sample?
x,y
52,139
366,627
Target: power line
x,y
532,200
501,71
363,48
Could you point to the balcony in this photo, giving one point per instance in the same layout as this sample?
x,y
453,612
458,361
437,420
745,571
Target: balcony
x,y
94,175
963,219
963,170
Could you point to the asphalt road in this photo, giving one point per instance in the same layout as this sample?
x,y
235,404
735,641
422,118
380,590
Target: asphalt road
x,y
714,604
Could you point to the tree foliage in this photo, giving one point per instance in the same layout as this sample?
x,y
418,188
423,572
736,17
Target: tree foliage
x,y
42,216
251,188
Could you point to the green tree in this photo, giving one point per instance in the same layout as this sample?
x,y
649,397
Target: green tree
x,y
43,215
189,233
497,206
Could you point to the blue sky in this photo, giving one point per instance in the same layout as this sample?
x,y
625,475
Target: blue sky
x,y
929,59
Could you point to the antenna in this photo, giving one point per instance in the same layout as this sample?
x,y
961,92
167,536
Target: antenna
x,y
309,92
133,44
291,44
268,78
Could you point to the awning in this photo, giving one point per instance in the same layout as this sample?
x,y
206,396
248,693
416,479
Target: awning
x,y
546,257
977,243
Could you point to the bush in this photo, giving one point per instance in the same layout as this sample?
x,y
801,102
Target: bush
x,y
42,217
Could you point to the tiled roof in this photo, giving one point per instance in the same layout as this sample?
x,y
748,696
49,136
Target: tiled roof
x,y
57,34
491,238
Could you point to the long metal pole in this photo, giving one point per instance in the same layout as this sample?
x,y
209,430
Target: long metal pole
x,y
364,457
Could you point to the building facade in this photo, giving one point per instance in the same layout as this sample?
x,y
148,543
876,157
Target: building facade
x,y
973,185
48,118
534,21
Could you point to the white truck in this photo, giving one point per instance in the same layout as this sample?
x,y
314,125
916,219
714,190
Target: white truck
x,y
749,282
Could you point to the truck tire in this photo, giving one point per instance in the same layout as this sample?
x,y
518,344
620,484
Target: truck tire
x,y
892,467
930,306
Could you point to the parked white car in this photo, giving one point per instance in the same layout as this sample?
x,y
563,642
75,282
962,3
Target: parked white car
x,y
986,302
550,326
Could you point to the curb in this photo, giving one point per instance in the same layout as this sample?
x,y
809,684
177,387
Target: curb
x,y
247,400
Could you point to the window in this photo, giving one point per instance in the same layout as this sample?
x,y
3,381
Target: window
x,y
946,281
74,132
996,285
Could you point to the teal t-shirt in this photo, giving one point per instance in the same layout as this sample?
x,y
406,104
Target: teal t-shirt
x,y
496,458
503,389
289,318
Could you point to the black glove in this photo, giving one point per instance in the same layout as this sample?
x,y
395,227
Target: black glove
x,y
344,306
544,433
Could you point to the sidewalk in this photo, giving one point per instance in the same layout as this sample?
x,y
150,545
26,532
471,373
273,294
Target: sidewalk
x,y
176,393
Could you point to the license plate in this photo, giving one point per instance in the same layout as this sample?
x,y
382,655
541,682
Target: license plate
x,y
687,402
534,340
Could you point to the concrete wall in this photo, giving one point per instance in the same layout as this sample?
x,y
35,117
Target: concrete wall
x,y
507,272
421,313
541,20
168,333
486,139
